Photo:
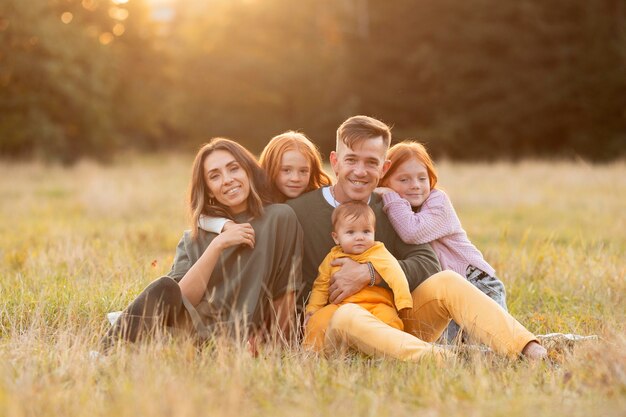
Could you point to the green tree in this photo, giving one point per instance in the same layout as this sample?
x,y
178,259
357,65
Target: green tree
x,y
251,70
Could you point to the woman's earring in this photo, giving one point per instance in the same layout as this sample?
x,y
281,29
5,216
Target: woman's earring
x,y
211,201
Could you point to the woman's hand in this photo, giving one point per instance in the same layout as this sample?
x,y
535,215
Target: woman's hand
x,y
383,190
235,234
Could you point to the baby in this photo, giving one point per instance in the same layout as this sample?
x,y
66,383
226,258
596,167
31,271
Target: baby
x,y
353,232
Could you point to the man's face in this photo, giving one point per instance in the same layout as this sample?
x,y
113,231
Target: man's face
x,y
358,170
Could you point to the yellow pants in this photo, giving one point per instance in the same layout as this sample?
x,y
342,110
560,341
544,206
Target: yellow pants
x,y
375,300
441,297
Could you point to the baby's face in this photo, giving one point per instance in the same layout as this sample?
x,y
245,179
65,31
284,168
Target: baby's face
x,y
354,236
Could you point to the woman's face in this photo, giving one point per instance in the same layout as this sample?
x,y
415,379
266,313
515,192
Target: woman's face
x,y
411,181
293,174
227,181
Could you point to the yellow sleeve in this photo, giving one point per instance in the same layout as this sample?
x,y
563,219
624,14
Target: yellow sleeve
x,y
389,269
319,292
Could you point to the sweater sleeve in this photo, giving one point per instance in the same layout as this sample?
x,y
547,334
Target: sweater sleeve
x,y
182,261
433,221
212,224
417,261
319,293
391,272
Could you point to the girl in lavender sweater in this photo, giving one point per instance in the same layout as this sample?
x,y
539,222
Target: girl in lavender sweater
x,y
420,213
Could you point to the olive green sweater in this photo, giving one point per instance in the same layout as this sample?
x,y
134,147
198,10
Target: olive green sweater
x,y
245,279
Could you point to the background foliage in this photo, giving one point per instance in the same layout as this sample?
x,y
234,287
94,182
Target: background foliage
x,y
475,80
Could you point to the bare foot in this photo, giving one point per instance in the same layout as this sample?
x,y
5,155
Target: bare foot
x,y
534,351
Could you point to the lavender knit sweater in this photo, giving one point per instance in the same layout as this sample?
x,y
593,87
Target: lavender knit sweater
x,y
436,223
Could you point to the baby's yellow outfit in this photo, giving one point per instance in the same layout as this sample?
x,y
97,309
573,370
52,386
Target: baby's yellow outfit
x,y
379,301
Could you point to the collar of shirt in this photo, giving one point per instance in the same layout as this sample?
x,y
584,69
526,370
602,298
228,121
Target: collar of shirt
x,y
328,196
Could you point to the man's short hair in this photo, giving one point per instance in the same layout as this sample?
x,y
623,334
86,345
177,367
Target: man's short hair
x,y
359,128
351,211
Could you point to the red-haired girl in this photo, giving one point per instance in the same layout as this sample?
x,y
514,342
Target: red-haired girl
x,y
293,165
421,213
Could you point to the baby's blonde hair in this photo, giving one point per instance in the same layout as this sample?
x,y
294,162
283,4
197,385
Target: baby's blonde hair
x,y
352,210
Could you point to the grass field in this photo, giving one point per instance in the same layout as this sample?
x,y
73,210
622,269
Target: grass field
x,y
76,243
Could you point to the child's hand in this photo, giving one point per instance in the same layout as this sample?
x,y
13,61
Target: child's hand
x,y
383,190
306,319
229,224
253,346
405,313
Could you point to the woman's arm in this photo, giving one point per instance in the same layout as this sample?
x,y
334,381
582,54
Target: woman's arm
x,y
194,283
435,219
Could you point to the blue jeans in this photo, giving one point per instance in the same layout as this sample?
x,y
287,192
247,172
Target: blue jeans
x,y
491,286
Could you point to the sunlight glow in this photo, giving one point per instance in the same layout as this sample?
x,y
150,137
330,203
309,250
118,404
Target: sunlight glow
x,y
119,1
118,13
67,17
118,29
106,38
90,5
92,31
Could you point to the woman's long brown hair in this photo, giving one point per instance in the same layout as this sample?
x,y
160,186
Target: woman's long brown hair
x,y
199,200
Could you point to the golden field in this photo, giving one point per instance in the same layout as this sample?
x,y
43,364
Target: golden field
x,y
78,242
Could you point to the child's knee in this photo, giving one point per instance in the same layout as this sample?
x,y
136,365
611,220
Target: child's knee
x,y
316,327
389,316
343,317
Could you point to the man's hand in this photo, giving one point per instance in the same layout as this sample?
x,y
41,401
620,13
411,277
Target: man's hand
x,y
351,278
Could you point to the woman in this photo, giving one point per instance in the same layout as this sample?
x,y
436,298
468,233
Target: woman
x,y
242,279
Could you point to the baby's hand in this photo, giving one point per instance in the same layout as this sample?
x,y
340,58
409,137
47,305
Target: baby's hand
x,y
383,190
306,319
253,346
405,313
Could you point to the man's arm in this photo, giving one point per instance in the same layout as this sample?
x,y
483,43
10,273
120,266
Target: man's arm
x,y
417,261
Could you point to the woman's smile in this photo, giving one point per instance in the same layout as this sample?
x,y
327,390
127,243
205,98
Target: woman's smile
x,y
227,181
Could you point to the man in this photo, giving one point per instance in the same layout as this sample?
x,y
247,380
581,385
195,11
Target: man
x,y
359,160
358,163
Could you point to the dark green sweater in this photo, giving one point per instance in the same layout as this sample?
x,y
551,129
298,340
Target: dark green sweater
x,y
243,278
313,211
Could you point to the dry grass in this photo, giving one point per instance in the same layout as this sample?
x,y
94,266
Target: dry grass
x,y
77,243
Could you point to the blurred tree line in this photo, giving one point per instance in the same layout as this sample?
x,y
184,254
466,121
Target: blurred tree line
x,y
473,80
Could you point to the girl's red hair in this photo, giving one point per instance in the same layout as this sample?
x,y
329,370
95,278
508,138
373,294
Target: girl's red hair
x,y
292,141
404,151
